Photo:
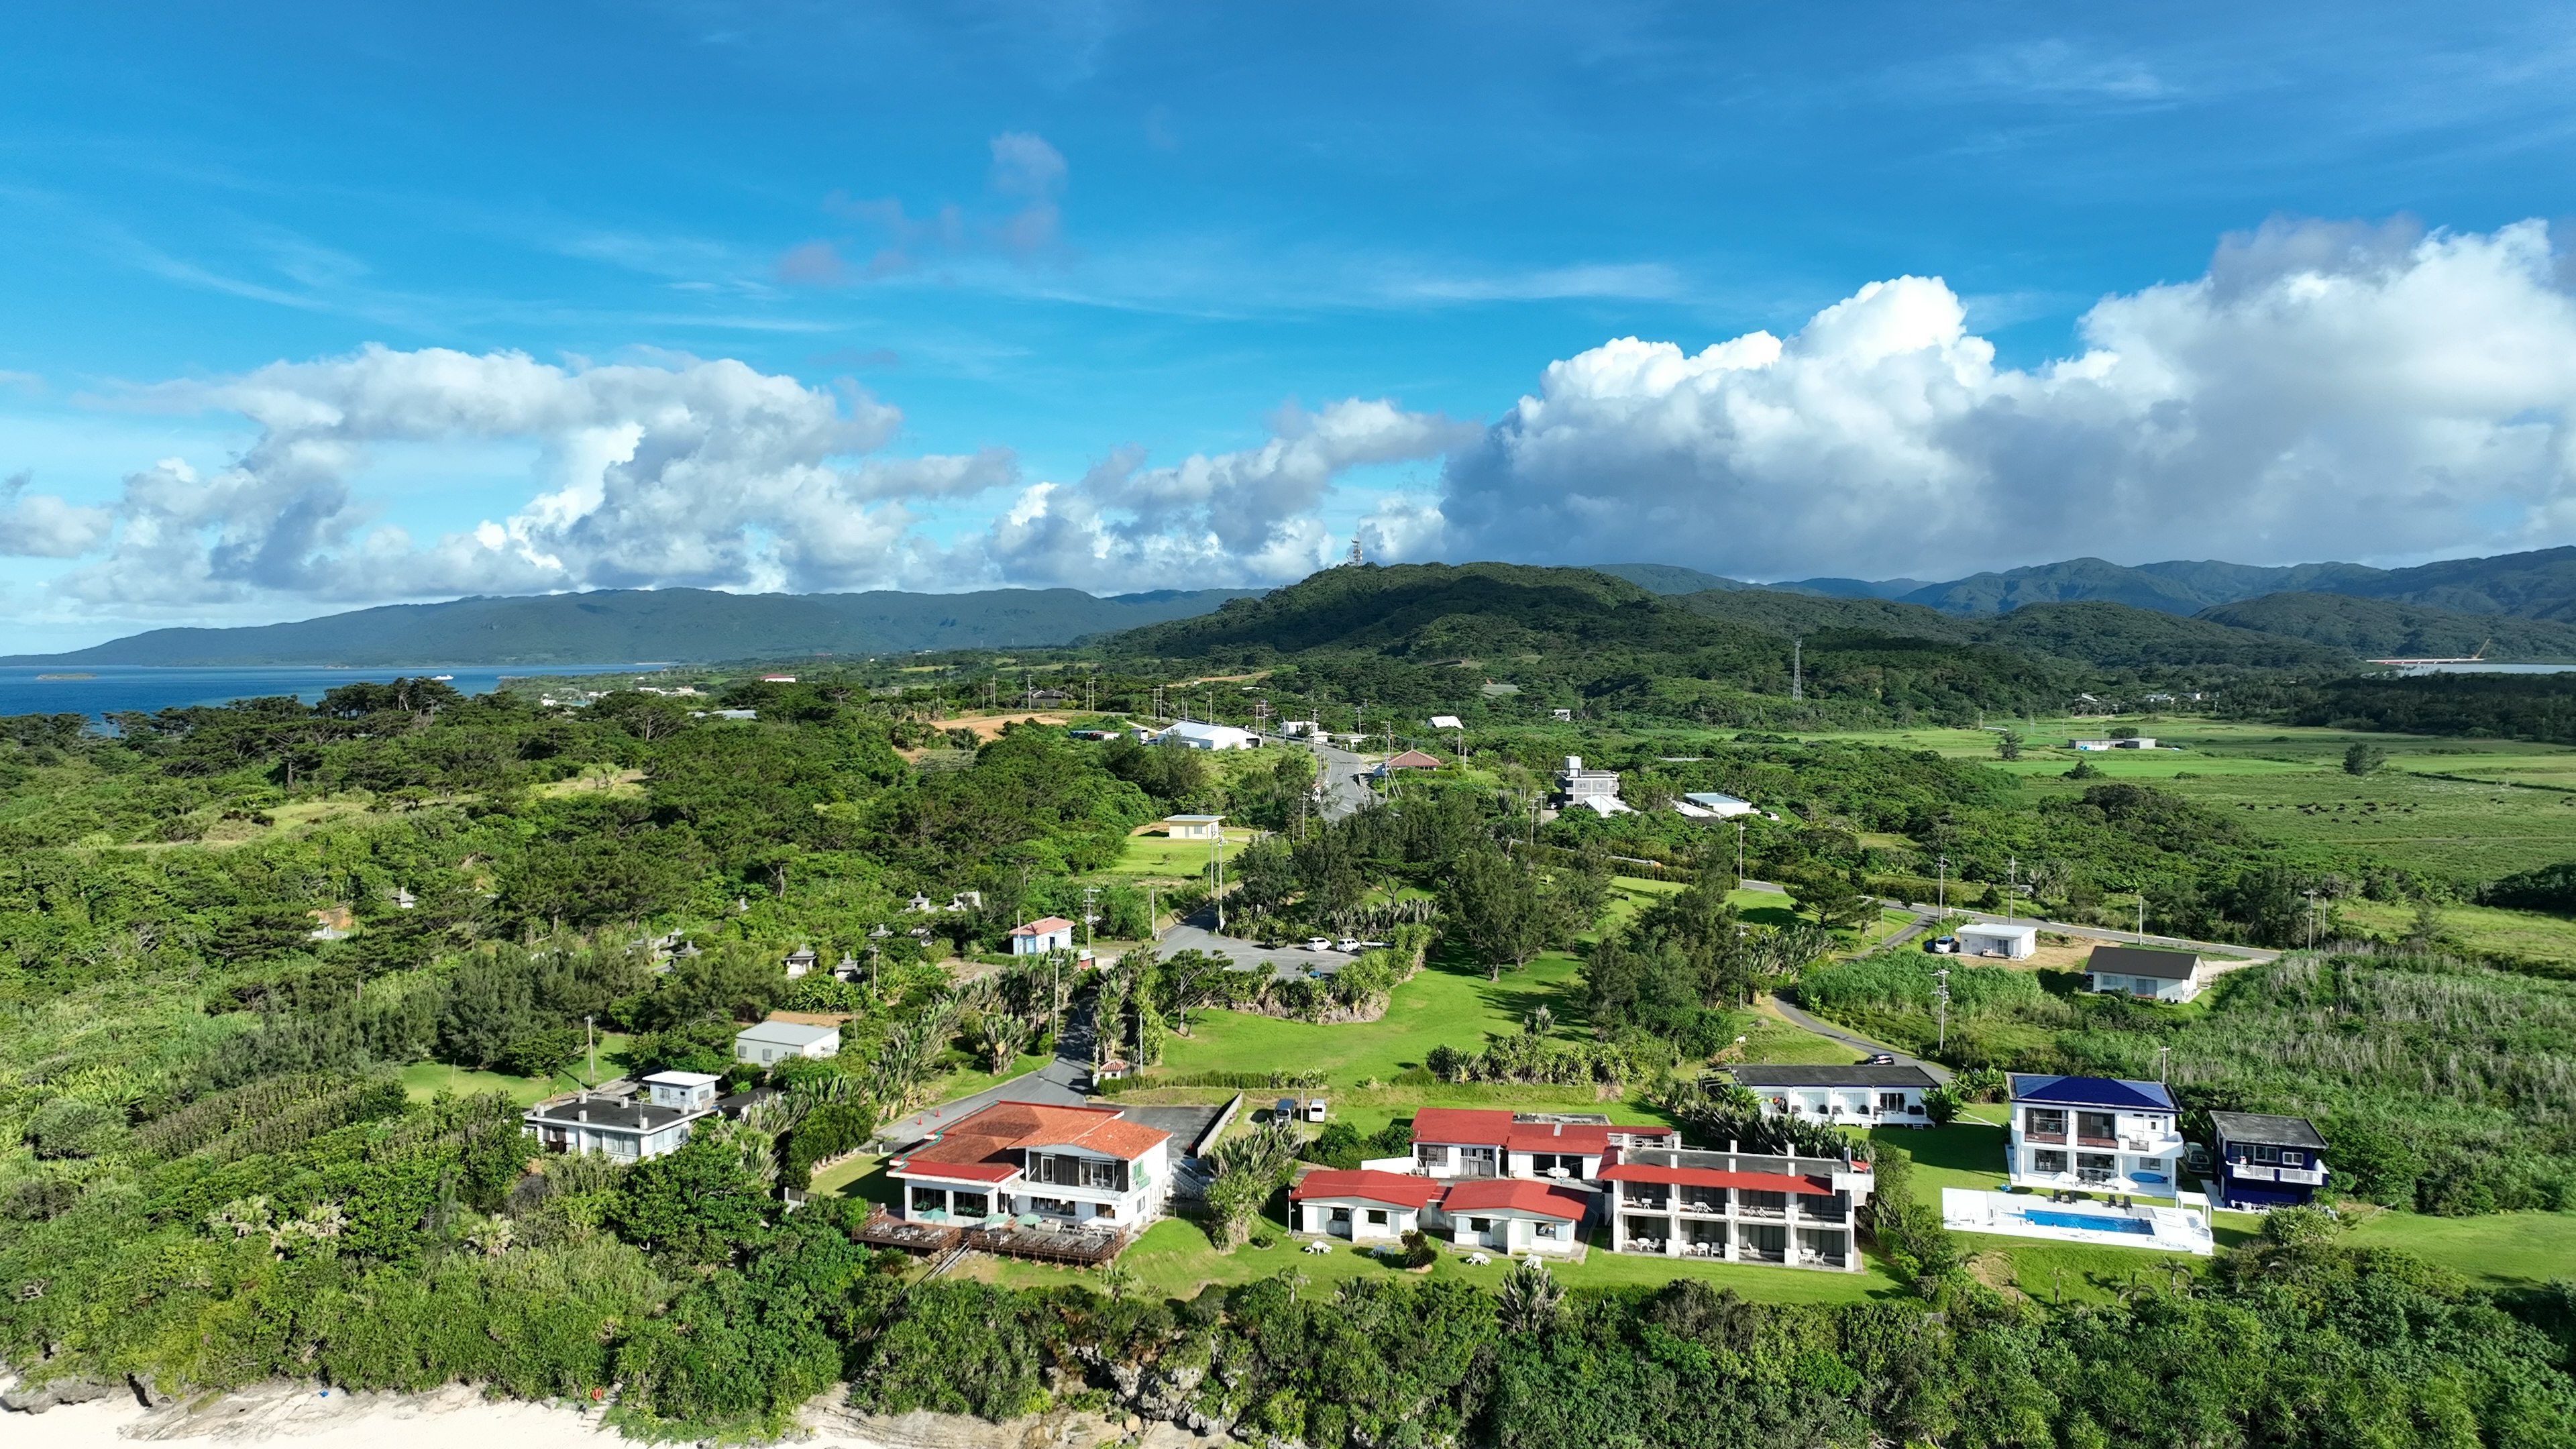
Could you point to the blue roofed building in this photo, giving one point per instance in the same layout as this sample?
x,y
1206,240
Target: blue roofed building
x,y
2266,1162
2094,1134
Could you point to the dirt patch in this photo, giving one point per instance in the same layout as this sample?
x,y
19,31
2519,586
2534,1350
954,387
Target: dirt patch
x,y
988,726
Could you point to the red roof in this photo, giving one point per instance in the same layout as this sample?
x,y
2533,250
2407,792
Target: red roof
x,y
981,1146
1412,760
1046,926
1573,1137
1397,1189
1712,1177
1462,1124
1517,1194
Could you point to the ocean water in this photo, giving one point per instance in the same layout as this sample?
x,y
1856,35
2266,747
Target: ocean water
x,y
2482,667
98,689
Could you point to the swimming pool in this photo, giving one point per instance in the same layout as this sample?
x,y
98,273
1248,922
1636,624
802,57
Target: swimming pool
x,y
2087,1222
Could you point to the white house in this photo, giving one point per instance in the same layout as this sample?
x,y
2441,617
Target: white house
x,y
1558,1146
1505,1215
2175,976
1595,789
1447,722
775,1041
1361,1205
648,1124
1209,737
1195,827
2105,1134
1789,1209
1298,729
1038,937
1860,1095
1086,1166
1993,938
1706,804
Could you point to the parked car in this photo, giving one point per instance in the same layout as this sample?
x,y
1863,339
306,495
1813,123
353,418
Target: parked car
x,y
1353,945
1318,943
1943,945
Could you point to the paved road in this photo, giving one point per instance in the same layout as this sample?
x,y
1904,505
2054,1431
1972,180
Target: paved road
x,y
1339,772
1289,962
1058,1083
1861,1045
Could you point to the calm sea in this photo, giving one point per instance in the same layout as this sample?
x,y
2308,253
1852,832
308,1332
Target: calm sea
x,y
100,688
2482,667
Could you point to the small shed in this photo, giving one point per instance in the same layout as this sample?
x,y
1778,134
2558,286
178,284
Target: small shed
x,y
1195,827
1038,937
775,1041
1994,938
799,962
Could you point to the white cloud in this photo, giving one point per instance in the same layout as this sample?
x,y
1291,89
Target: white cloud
x,y
41,525
2324,391
674,471
1247,516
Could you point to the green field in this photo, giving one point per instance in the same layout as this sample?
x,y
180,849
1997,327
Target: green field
x,y
1160,855
424,1080
2527,934
2508,1248
1447,1003
1174,1259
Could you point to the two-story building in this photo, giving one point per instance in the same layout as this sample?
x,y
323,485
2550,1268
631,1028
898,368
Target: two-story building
x,y
1742,1207
2266,1162
654,1120
2101,1134
1555,1146
1860,1095
1075,1166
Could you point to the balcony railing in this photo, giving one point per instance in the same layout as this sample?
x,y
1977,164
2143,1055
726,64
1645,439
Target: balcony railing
x,y
2084,1139
2036,1135
2311,1176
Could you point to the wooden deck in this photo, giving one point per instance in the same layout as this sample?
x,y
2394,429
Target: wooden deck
x,y
888,1231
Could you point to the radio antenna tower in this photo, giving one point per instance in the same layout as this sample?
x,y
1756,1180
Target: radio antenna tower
x,y
1355,550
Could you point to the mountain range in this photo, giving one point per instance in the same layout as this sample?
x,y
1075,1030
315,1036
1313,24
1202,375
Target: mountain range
x,y
611,626
2515,606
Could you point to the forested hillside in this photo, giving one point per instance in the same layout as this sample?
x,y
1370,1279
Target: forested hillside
x,y
612,626
2380,628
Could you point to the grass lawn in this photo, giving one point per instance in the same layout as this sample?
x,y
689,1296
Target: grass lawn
x,y
1160,855
2510,1248
2520,933
1447,1003
1174,1259
424,1080
863,1177
966,1083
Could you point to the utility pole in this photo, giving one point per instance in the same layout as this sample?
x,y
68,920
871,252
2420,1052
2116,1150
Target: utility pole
x,y
590,1044
1216,867
1797,672
1739,852
1941,999
2142,918
1090,898
2164,1054
2312,918
1941,892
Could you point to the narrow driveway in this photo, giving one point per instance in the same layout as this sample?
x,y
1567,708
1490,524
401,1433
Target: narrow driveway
x,y
1059,1083
1863,1045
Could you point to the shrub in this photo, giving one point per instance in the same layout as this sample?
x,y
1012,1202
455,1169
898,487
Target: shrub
x,y
70,1127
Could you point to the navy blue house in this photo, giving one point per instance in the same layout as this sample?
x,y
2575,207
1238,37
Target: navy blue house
x,y
2267,1162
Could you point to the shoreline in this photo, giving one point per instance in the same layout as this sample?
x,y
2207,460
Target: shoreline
x,y
310,1416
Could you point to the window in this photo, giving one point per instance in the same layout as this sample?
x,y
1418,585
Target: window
x,y
2294,1159
1891,1101
1061,1207
1341,1215
1480,1225
2046,1161
1377,1217
968,1204
2048,1124
2095,1167
1432,1154
1551,1230
2266,1152
2097,1129
1103,1210
929,1200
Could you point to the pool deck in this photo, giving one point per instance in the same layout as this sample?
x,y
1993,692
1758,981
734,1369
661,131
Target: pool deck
x,y
2170,1230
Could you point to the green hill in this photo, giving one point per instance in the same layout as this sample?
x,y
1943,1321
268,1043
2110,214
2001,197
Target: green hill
x,y
675,625
1670,578
2381,628
2117,636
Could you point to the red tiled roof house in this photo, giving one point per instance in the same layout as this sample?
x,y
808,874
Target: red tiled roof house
x,y
1074,1166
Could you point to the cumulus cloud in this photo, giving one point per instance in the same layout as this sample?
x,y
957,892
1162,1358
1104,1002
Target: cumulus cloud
x,y
675,472
40,525
2324,391
1210,519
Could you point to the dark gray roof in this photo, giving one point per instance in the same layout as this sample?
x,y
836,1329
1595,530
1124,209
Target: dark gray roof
x,y
2260,1127
628,1116
2144,961
1859,1074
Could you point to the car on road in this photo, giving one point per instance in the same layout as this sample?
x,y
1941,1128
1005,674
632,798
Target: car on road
x,y
1879,1059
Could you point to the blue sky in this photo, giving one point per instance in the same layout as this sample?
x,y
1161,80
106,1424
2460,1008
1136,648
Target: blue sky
x,y
1074,248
